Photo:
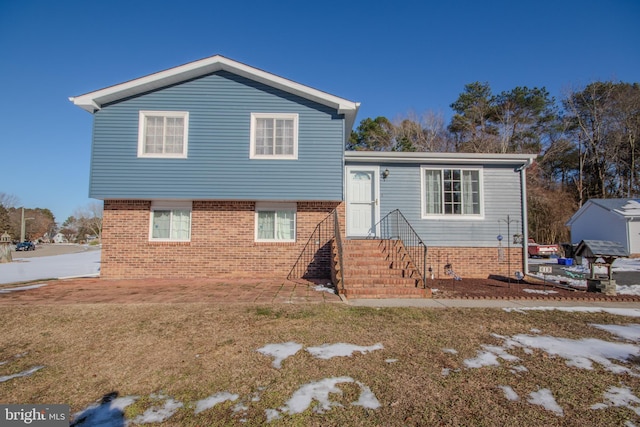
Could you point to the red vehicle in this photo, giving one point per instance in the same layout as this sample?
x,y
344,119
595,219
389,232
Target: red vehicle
x,y
534,249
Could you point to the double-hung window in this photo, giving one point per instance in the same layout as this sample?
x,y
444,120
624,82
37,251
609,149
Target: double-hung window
x,y
451,192
274,136
170,221
163,134
275,222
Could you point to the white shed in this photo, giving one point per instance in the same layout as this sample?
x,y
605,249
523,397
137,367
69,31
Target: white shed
x,y
615,220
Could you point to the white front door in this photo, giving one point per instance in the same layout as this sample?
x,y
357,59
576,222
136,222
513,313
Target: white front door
x,y
362,201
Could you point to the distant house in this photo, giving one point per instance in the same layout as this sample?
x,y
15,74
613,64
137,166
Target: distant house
x,y
59,238
615,220
219,169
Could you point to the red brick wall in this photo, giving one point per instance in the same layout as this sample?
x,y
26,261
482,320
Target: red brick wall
x,y
473,262
222,242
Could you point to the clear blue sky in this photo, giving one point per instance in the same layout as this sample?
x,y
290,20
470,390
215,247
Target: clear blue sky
x,y
392,56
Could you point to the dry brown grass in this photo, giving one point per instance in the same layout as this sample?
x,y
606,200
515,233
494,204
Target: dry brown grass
x,y
192,351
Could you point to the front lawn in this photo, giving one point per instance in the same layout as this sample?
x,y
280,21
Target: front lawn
x,y
197,364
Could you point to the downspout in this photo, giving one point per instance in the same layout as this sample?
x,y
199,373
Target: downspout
x,y
525,218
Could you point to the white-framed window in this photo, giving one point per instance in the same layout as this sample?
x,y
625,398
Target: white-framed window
x,y
274,136
163,134
275,222
451,192
170,221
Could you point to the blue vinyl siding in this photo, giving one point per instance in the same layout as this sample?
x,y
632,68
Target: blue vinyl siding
x,y
501,195
217,165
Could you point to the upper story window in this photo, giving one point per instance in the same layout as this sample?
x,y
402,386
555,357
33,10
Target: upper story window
x,y
170,221
451,192
163,134
274,136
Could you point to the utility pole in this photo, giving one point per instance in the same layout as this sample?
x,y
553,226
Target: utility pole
x,y
22,225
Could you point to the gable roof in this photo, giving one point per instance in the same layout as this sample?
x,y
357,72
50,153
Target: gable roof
x,y
93,101
625,208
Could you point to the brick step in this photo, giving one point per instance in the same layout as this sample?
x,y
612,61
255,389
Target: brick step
x,y
381,272
387,293
379,282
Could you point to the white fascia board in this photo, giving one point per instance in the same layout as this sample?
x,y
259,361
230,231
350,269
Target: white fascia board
x,y
432,157
93,101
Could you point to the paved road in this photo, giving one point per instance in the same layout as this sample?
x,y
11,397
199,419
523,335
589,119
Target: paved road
x,y
53,249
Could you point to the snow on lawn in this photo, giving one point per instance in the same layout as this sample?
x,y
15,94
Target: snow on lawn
x,y
49,267
26,373
327,351
578,353
110,412
626,332
320,391
544,398
539,291
619,396
280,351
629,312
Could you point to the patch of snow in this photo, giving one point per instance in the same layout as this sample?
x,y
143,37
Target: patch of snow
x,y
626,264
450,350
367,399
105,414
323,288
391,360
211,401
47,267
158,414
320,391
445,372
628,332
535,330
509,393
519,368
619,397
539,291
628,289
26,373
629,312
582,353
484,358
544,398
280,351
327,351
22,288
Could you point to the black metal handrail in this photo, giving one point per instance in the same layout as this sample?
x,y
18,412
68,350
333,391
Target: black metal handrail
x,y
314,262
394,226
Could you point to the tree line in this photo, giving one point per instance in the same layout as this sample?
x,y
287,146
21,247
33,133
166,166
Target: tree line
x,y
40,223
586,142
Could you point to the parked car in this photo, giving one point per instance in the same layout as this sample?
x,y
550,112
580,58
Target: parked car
x,y
536,249
25,246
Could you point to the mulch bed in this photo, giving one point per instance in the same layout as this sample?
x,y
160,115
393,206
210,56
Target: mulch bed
x,y
500,288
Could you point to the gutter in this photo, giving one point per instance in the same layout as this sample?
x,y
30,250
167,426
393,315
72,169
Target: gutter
x,y
525,218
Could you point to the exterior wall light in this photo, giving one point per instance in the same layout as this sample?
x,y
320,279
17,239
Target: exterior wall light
x,y
385,174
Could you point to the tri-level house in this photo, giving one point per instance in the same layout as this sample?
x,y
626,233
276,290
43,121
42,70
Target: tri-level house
x,y
219,169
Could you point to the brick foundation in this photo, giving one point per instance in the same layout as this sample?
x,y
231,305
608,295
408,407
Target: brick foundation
x,y
222,242
476,263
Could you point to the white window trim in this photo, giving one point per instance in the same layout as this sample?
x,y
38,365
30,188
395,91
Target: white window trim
x,y
170,205
142,128
252,137
277,206
463,217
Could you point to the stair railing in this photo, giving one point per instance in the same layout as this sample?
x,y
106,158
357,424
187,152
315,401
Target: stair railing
x,y
394,226
338,237
314,262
